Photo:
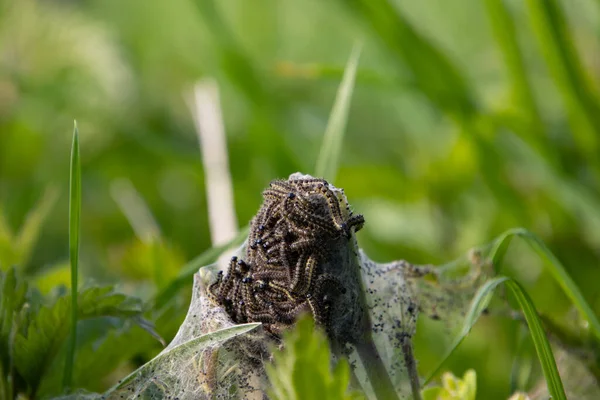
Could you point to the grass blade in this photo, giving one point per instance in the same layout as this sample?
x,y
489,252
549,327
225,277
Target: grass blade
x,y
540,341
557,45
555,267
329,156
503,27
506,36
434,73
442,82
478,304
74,230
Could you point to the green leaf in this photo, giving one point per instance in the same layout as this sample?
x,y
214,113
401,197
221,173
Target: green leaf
x,y
74,231
540,341
37,349
98,357
13,297
329,156
453,388
302,369
460,389
554,266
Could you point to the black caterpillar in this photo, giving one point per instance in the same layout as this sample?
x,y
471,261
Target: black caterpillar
x,y
281,275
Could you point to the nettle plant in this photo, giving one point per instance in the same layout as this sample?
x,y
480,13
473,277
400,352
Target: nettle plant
x,y
299,312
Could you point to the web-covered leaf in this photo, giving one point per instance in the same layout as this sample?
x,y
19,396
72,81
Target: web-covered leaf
x,y
397,292
210,357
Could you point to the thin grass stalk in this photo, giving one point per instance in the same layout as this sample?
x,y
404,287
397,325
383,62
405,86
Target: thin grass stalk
x,y
538,336
540,341
331,148
555,268
74,231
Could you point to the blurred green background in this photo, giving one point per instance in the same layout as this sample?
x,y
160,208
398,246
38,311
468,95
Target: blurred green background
x,y
468,118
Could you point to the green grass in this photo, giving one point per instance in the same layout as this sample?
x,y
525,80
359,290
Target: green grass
x,y
538,336
74,232
556,43
554,267
483,296
464,122
331,148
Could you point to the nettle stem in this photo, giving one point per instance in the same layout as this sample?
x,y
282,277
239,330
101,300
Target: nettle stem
x,y
377,373
411,366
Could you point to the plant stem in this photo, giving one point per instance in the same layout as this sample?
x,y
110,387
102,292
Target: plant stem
x,y
378,376
411,366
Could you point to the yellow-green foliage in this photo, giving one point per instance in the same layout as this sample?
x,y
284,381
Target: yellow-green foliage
x,y
454,388
303,371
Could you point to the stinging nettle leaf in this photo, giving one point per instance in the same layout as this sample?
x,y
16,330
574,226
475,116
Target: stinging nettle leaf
x,y
302,370
13,297
36,350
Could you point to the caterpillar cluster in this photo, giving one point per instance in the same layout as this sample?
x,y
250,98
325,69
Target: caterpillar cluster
x,y
281,275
